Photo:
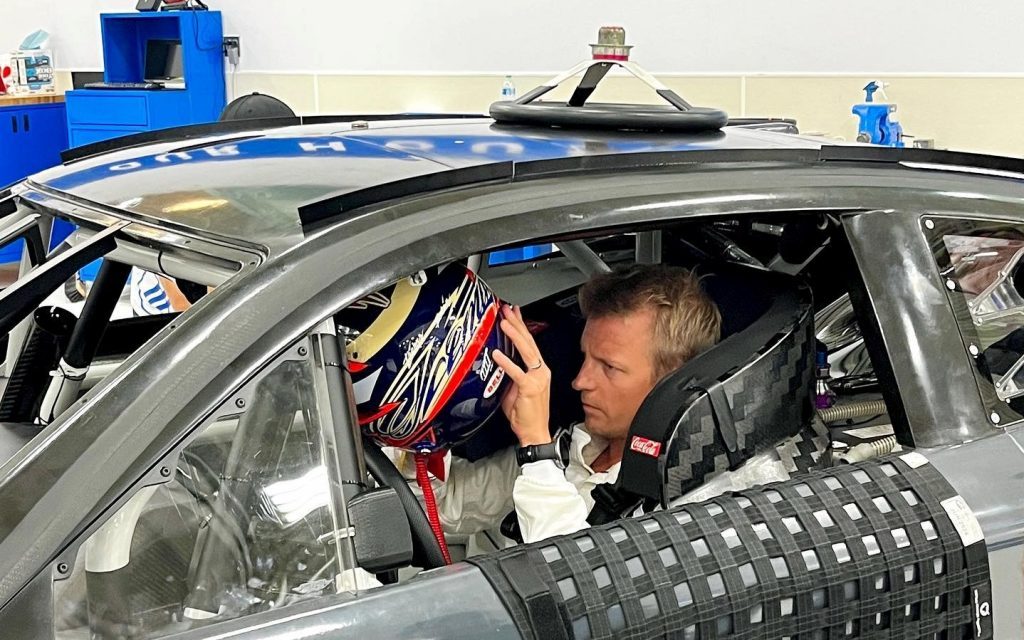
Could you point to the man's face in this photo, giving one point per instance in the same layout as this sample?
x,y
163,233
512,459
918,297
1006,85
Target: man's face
x,y
617,372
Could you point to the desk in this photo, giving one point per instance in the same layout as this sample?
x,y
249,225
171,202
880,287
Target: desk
x,y
29,98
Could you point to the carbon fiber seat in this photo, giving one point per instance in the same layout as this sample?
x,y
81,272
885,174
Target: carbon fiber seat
x,y
741,397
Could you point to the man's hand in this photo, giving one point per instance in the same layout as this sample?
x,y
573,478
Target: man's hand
x,y
527,402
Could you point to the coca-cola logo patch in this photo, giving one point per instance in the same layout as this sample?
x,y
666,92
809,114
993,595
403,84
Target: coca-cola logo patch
x,y
647,447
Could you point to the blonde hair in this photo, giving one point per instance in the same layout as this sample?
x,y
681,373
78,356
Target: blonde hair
x,y
686,322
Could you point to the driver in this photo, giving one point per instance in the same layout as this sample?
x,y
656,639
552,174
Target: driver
x,y
642,323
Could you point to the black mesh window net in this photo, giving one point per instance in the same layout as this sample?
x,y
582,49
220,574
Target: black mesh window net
x,y
884,549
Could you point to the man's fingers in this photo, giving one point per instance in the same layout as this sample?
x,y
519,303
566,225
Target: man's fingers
x,y
508,312
524,344
512,370
514,333
515,316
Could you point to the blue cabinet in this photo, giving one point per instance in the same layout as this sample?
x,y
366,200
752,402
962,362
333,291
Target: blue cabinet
x,y
31,139
100,114
95,115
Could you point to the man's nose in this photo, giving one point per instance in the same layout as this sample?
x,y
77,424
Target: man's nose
x,y
582,380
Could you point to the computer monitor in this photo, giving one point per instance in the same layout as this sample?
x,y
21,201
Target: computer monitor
x,y
163,61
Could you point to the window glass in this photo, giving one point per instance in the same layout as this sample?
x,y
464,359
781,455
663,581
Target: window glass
x,y
985,269
982,265
245,522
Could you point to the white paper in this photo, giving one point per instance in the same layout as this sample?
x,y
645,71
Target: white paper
x,y
870,433
963,519
914,459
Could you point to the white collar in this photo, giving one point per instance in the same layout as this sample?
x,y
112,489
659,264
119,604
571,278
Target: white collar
x,y
585,448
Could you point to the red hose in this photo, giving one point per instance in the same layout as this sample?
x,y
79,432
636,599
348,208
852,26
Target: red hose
x,y
428,499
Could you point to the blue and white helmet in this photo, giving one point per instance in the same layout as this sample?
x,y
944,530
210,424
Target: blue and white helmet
x,y
420,356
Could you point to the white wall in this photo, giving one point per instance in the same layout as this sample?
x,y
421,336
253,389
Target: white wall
x,y
947,37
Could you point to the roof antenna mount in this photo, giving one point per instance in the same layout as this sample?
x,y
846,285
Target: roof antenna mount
x,y
609,51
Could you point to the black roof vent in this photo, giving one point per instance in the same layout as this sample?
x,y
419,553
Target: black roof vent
x,y
610,51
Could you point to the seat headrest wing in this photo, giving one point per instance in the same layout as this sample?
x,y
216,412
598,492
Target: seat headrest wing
x,y
737,399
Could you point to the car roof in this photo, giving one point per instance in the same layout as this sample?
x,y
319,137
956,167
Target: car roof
x,y
247,185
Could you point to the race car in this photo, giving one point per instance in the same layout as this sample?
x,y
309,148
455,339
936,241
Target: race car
x,y
204,475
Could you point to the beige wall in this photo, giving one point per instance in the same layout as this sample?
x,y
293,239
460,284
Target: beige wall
x,y
969,113
964,113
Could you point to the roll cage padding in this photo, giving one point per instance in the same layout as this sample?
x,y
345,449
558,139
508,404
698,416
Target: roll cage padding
x,y
739,398
609,116
879,549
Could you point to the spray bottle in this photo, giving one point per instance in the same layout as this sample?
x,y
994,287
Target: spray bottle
x,y
508,89
878,124
824,396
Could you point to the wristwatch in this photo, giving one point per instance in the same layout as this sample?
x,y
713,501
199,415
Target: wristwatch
x,y
556,450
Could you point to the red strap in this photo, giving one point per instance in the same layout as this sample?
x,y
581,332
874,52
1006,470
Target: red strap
x,y
435,464
431,507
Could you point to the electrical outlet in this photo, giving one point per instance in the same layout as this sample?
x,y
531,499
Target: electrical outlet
x,y
233,48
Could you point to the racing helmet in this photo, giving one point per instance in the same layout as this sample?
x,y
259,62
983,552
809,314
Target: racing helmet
x,y
419,352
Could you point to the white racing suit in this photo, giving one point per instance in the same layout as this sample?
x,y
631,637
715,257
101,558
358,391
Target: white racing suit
x,y
549,502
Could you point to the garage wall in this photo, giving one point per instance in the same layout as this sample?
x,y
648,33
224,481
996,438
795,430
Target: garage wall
x,y
958,112
955,68
685,36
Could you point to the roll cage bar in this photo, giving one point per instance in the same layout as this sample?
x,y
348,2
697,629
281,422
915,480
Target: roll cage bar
x,y
28,214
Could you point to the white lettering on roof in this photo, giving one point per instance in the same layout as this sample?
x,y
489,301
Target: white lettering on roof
x,y
510,148
410,145
126,166
166,157
226,150
334,145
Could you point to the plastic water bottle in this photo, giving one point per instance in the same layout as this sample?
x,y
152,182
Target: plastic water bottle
x,y
508,89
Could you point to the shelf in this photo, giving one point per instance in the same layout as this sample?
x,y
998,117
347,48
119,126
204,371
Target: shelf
x,y
100,114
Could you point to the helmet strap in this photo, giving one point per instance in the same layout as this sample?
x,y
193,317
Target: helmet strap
x,y
423,479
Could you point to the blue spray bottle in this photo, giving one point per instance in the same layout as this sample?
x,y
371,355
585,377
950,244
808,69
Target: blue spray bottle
x,y
878,123
824,396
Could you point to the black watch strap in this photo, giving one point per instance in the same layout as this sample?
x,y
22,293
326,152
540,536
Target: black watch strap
x,y
556,450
